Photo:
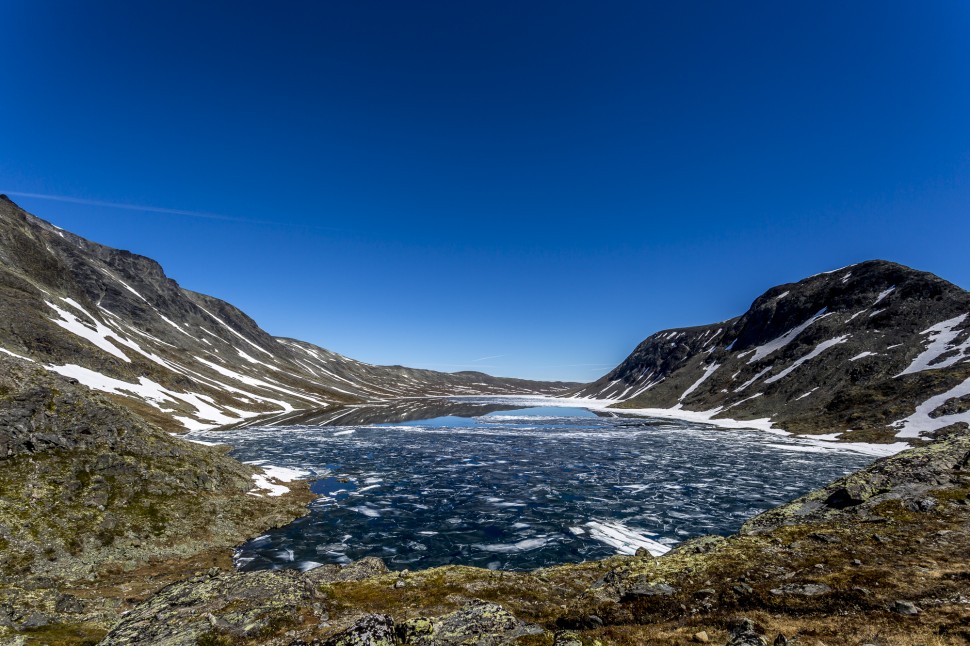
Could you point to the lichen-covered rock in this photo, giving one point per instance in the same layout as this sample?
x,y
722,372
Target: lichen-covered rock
x,y
907,477
369,630
566,638
235,606
361,569
478,623
805,590
745,632
642,588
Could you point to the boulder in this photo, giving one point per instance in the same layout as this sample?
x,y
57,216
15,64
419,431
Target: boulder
x,y
369,630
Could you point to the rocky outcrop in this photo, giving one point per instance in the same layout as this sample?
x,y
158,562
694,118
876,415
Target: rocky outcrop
x,y
97,506
234,608
866,351
220,608
908,479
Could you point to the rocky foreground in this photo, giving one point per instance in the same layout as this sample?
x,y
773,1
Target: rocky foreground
x,y
879,557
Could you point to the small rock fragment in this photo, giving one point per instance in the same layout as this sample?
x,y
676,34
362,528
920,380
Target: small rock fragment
x,y
566,638
369,630
805,590
745,632
650,590
905,608
701,637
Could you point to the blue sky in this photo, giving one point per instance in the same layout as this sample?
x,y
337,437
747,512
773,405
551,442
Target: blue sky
x,y
525,188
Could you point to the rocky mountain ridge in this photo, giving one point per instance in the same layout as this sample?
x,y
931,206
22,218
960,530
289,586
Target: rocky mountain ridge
x,y
113,320
875,351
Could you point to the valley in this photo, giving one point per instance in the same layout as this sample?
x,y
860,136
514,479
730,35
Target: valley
x,y
174,474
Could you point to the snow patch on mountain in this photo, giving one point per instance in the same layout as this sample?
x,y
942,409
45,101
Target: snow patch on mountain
x,y
99,335
152,393
780,342
819,349
761,373
708,371
883,295
941,336
922,421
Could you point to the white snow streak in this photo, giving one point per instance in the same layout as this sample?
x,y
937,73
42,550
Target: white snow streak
x,y
14,354
98,336
708,371
883,295
920,422
761,373
941,335
819,349
776,344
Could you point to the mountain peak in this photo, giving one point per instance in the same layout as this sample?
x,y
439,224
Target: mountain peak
x,y
876,351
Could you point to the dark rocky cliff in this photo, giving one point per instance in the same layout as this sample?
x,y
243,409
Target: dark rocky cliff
x,y
878,348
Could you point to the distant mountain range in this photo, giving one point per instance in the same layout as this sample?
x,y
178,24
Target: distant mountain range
x,y
875,351
113,321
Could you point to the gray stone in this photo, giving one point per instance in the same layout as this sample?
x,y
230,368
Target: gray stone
x,y
907,608
369,630
481,623
804,590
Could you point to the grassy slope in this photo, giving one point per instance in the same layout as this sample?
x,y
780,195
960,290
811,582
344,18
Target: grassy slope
x,y
98,505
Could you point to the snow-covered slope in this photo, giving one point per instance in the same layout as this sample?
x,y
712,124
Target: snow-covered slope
x,y
878,348
115,322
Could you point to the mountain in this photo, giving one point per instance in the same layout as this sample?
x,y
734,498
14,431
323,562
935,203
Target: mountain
x,y
112,320
875,351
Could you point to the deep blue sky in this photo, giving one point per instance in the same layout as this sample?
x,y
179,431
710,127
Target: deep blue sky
x,y
525,188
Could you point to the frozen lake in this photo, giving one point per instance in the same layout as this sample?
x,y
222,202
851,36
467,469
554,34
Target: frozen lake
x,y
516,485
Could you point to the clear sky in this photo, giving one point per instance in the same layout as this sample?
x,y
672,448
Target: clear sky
x,y
525,188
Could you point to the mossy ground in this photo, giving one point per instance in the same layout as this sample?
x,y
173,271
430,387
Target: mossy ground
x,y
893,552
111,530
923,557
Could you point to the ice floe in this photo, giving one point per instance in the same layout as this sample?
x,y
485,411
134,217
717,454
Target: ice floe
x,y
624,539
